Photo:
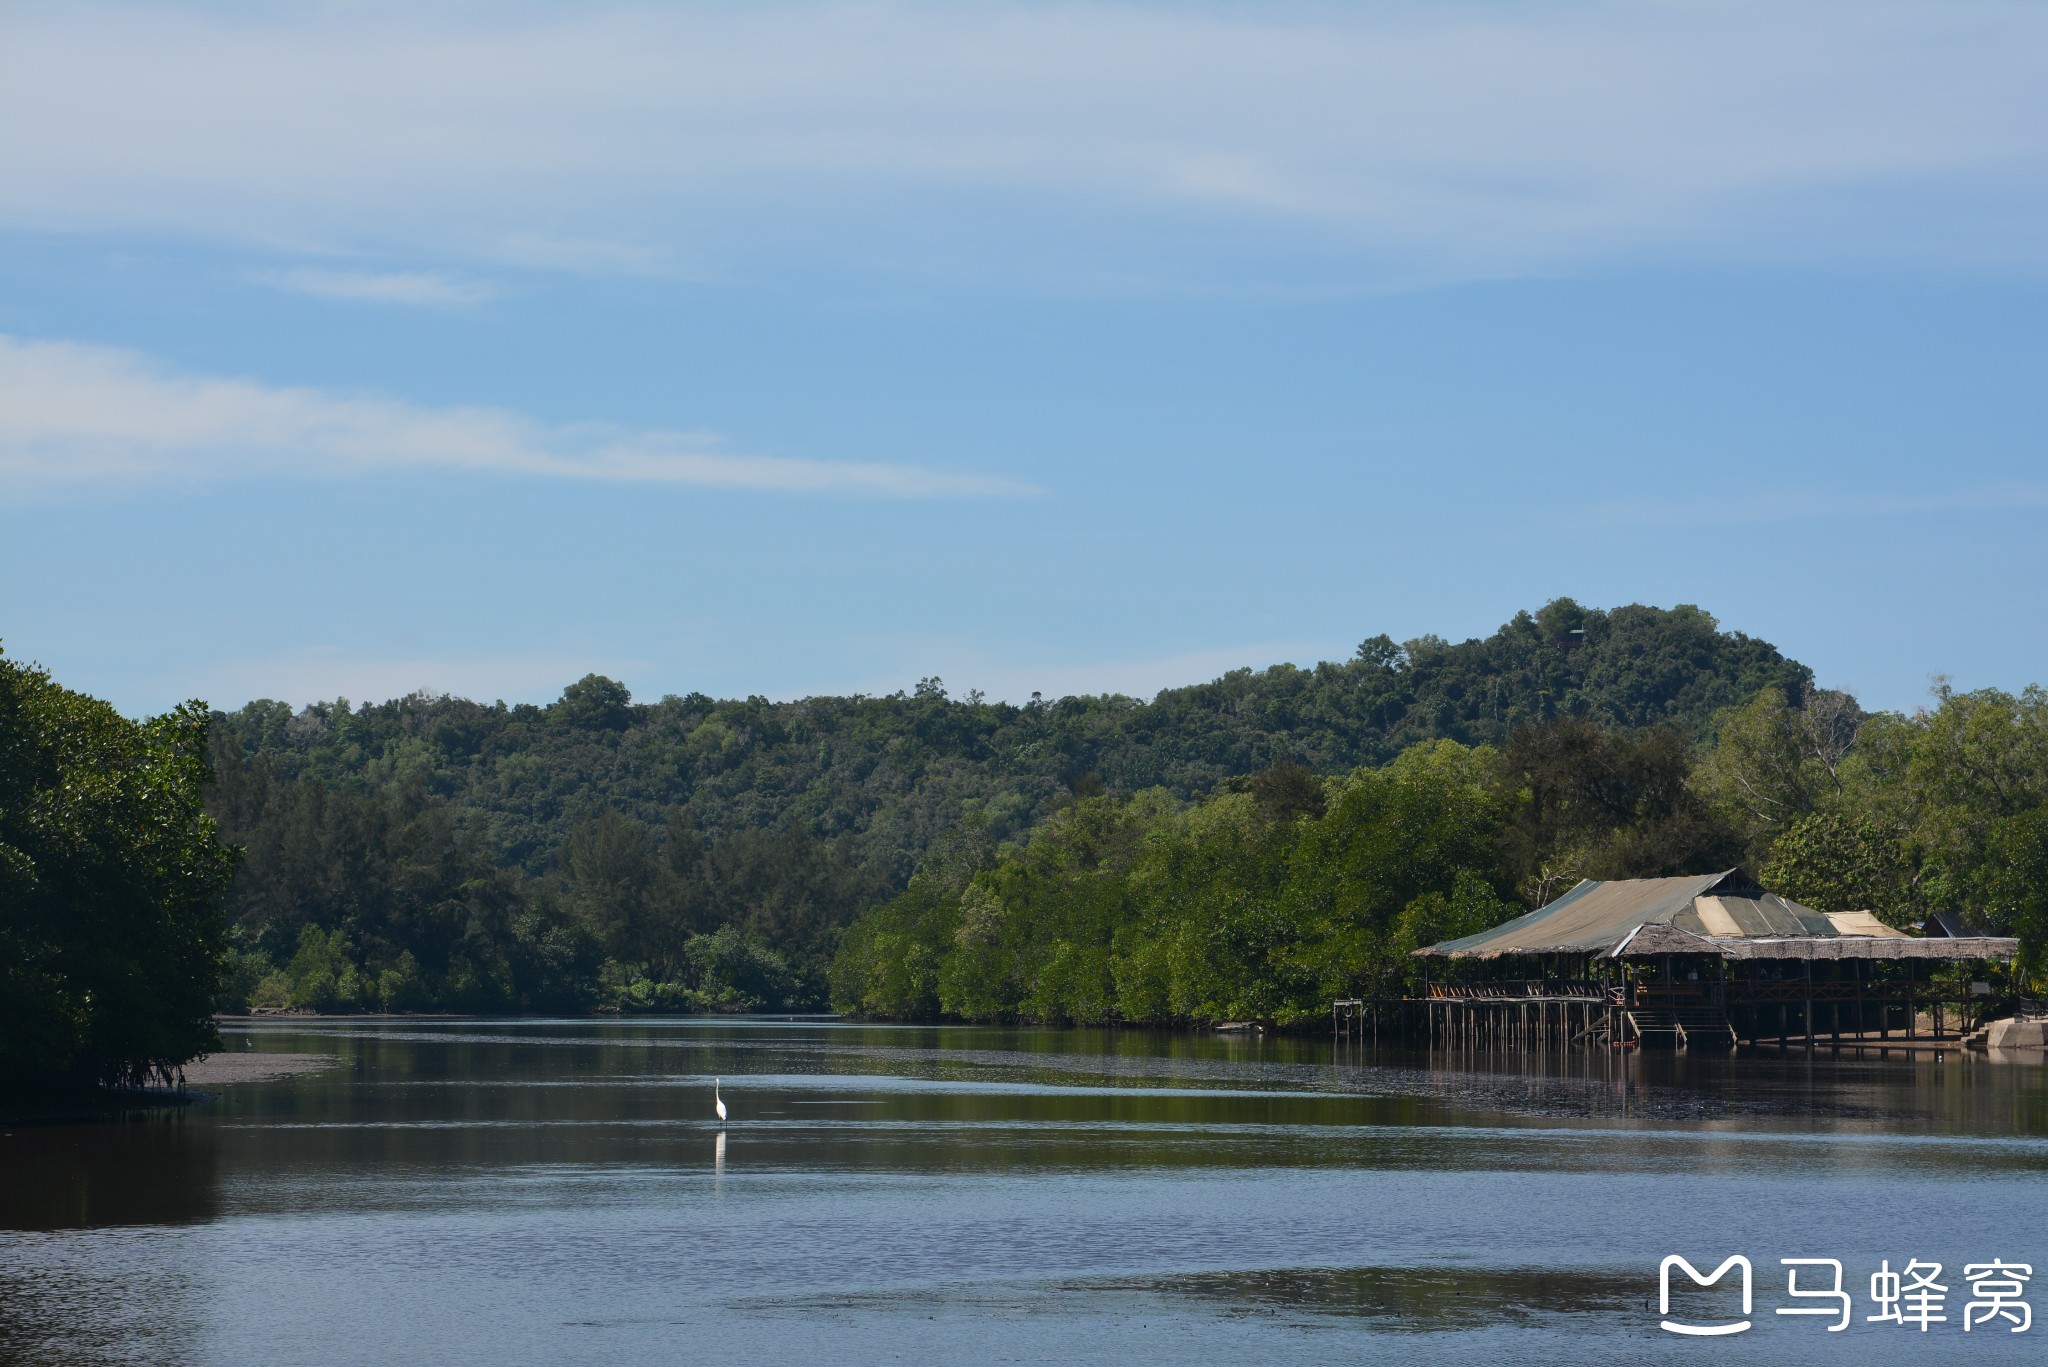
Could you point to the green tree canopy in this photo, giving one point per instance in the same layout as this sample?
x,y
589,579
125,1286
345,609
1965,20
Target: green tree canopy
x,y
1939,810
112,936
1143,909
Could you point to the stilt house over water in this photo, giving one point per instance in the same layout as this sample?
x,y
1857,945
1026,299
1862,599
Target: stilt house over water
x,y
1708,958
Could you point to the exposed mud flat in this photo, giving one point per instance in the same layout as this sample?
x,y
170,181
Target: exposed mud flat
x,y
216,1070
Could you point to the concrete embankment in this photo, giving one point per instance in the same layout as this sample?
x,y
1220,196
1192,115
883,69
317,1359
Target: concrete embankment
x,y
2012,1034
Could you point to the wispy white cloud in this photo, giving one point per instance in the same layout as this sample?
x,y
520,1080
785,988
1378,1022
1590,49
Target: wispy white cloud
x,y
379,287
73,414
1389,139
580,255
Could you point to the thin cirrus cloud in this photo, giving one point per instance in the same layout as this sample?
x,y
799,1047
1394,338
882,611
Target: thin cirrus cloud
x,y
379,287
1017,140
78,414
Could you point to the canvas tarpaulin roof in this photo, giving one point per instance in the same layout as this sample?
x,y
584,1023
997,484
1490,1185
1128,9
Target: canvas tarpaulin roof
x,y
1705,912
1651,940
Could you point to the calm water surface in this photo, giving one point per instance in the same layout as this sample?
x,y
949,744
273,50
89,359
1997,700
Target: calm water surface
x,y
530,1191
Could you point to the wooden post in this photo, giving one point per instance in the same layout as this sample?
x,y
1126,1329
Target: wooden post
x,y
1833,1011
1806,1019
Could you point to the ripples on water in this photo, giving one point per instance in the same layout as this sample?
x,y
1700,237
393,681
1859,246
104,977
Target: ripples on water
x,y
555,1191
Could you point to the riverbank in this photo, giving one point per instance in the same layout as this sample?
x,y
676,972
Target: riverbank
x,y
116,1103
272,1013
223,1069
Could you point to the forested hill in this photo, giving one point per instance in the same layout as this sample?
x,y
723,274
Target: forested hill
x,y
893,772
449,829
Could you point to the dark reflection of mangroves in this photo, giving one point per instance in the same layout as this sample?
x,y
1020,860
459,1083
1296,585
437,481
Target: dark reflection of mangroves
x,y
1397,1087
114,1299
1423,1299
1417,1299
143,1167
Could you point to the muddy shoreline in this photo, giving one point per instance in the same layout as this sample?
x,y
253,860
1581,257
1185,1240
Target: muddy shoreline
x,y
126,1103
218,1070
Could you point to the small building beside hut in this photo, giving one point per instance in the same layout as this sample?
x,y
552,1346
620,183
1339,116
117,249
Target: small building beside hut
x,y
1707,959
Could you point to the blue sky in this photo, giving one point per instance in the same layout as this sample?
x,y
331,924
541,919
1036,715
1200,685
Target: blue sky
x,y
353,349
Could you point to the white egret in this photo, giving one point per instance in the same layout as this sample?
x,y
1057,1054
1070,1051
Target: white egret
x,y
717,1103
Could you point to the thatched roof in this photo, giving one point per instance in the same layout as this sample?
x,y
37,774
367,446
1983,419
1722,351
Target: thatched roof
x,y
1716,913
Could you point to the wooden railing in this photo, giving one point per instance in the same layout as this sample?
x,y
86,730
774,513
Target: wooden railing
x,y
1519,989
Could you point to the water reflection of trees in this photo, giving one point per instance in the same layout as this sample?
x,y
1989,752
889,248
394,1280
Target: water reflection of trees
x,y
153,1166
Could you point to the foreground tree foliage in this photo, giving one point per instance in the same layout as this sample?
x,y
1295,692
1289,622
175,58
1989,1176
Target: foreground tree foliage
x,y
111,887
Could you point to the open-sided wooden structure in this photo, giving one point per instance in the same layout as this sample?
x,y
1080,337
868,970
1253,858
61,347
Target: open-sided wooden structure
x,y
1692,960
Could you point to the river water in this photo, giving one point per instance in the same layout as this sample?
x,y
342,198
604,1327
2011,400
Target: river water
x,y
526,1191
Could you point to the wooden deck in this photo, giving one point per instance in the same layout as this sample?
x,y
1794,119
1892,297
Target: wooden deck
x,y
1565,1013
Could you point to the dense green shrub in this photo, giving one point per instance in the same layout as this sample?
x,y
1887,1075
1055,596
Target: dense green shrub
x,y
1144,910
112,939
